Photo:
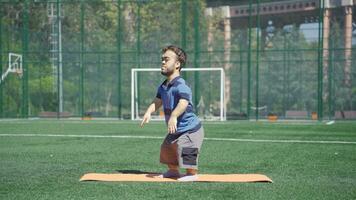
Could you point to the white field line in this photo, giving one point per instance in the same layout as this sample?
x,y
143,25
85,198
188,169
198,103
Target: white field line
x,y
156,137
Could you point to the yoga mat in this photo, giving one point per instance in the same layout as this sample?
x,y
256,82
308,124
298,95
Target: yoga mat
x,y
152,177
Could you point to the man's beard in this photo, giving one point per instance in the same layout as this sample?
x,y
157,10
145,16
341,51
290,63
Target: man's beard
x,y
167,73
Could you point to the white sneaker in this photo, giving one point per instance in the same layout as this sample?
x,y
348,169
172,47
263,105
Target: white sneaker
x,y
188,178
170,174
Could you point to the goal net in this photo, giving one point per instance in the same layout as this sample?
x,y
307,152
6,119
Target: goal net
x,y
207,86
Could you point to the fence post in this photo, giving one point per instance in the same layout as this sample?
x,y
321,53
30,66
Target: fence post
x,y
320,61
183,24
331,81
240,74
184,29
24,60
196,52
1,91
257,57
138,52
81,58
249,62
118,39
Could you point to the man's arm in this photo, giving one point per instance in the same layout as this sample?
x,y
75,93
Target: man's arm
x,y
180,109
156,103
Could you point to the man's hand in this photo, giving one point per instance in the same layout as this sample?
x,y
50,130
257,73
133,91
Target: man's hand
x,y
172,125
152,108
146,119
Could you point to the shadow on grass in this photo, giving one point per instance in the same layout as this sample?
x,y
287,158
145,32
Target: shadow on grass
x,y
148,174
130,171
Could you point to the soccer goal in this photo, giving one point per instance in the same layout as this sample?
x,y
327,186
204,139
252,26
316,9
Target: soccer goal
x,y
207,85
14,66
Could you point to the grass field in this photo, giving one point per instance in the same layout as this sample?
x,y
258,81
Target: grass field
x,y
44,159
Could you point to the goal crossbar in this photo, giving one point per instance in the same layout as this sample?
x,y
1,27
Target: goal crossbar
x,y
134,88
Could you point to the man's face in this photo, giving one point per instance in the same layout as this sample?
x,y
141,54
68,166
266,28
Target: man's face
x,y
169,63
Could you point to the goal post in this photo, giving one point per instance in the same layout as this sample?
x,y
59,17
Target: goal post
x,y
215,108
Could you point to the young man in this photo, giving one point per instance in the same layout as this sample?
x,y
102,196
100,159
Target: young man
x,y
181,147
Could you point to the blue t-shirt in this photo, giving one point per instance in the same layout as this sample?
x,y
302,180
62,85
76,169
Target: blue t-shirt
x,y
170,95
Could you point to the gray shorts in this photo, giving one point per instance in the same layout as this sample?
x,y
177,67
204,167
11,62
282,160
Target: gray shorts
x,y
182,150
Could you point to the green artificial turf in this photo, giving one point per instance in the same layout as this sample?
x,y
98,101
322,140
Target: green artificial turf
x,y
43,167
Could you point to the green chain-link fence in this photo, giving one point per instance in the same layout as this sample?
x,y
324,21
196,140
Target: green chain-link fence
x,y
294,59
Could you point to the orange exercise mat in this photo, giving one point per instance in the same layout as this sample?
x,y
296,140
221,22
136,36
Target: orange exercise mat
x,y
153,177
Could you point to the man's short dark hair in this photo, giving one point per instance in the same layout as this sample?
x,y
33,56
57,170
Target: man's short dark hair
x,y
181,55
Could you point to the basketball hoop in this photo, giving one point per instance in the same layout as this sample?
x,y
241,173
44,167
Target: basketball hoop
x,y
15,66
